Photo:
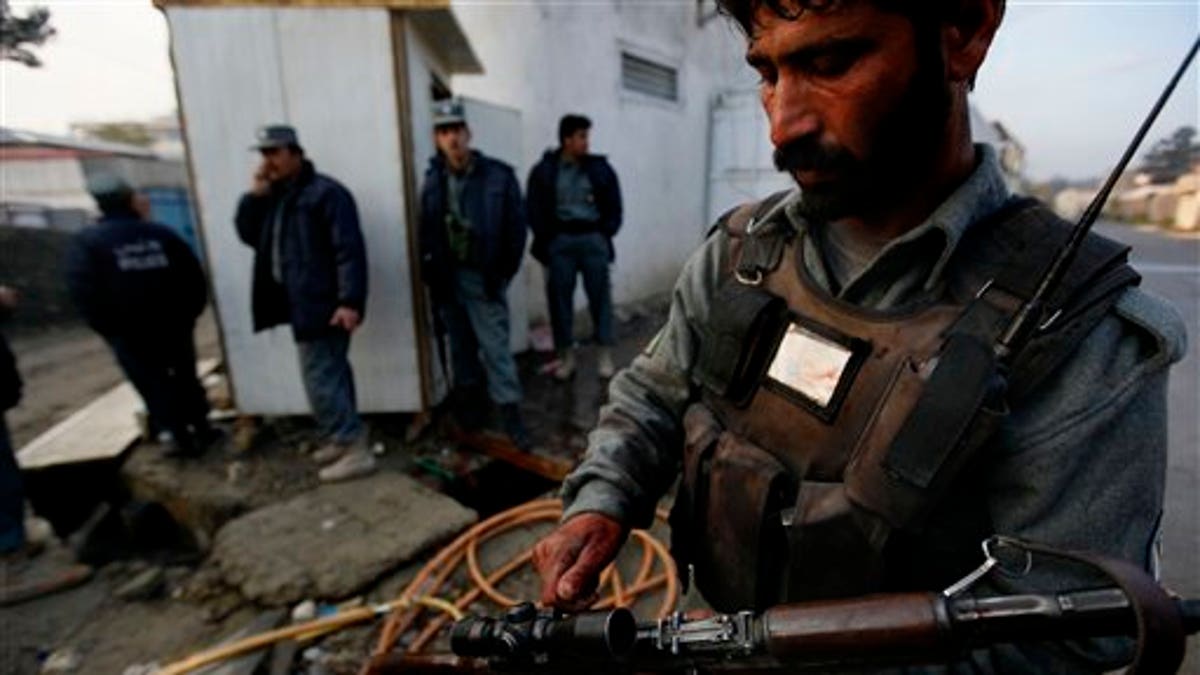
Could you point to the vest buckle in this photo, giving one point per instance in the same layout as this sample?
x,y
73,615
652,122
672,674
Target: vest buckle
x,y
749,280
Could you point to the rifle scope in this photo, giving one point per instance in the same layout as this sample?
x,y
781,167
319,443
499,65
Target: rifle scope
x,y
525,632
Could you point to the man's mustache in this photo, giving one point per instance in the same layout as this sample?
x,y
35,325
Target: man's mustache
x,y
807,154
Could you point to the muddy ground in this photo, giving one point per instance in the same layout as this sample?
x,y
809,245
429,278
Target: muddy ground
x,y
93,629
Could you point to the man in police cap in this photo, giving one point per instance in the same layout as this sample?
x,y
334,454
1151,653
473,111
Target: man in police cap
x,y
804,330
140,286
310,271
472,238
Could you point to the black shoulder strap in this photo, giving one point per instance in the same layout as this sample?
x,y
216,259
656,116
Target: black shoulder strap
x,y
724,364
760,243
1007,255
961,407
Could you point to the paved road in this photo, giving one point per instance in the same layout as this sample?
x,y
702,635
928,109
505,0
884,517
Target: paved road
x,y
1170,265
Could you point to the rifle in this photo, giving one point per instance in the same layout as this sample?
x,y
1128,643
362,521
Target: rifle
x,y
871,631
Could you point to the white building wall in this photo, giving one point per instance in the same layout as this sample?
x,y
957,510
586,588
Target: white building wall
x,y
548,59
239,68
742,168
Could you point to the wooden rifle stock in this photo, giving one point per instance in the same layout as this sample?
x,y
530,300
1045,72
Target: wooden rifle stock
x,y
884,627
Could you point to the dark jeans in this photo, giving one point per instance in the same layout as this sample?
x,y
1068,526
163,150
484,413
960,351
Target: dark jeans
x,y
570,255
329,383
162,367
12,501
478,329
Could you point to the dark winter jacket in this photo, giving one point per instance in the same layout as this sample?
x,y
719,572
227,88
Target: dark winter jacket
x,y
128,276
491,201
541,196
10,378
324,258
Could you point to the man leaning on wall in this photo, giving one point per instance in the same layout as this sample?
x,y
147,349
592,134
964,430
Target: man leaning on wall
x,y
310,271
472,238
575,211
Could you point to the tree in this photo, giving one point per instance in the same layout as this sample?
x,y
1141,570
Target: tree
x,y
34,29
1173,156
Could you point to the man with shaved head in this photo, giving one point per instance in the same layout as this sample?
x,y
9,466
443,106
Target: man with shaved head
x,y
805,331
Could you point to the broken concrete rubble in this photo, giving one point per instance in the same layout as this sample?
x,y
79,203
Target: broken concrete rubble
x,y
335,540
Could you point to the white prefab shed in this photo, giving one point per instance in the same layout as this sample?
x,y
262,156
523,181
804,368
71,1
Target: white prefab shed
x,y
356,79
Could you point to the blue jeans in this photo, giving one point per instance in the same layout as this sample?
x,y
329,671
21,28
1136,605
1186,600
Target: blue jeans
x,y
12,501
478,328
570,255
329,383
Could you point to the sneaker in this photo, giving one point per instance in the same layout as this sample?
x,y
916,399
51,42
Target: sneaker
x,y
604,364
330,452
514,427
355,463
566,366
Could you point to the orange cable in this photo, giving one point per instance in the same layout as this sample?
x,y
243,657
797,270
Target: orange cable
x,y
465,549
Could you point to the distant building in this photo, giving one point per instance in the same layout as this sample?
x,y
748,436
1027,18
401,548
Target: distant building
x,y
163,132
45,181
1187,212
1070,203
1138,199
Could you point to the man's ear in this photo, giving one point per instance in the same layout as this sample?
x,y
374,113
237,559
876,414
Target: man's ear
x,y
967,34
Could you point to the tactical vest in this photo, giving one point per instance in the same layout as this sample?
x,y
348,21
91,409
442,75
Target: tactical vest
x,y
819,448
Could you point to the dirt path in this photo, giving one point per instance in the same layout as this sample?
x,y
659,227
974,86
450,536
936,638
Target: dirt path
x,y
64,369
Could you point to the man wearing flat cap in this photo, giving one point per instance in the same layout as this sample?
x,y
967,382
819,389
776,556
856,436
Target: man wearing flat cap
x,y
140,286
310,271
472,235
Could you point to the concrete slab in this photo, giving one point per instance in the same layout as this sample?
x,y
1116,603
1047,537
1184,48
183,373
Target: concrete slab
x,y
103,429
335,540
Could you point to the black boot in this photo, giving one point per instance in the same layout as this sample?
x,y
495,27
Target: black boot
x,y
510,418
469,408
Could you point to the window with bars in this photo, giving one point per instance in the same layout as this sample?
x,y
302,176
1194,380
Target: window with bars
x,y
647,77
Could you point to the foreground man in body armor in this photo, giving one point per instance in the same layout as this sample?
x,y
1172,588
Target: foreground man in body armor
x,y
805,329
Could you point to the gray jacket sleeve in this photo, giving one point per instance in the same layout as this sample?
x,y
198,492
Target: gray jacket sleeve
x,y
634,452
1082,465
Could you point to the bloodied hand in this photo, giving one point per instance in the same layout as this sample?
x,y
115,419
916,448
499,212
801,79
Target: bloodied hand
x,y
571,558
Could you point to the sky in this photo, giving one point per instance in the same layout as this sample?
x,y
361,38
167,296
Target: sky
x,y
1071,79
1074,80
